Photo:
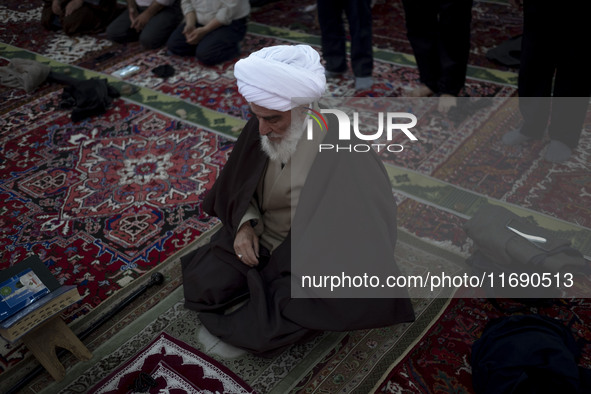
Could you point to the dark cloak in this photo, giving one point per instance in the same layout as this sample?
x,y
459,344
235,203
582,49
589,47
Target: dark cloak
x,y
270,318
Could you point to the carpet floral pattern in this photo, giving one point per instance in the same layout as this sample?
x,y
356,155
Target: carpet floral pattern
x,y
102,202
174,367
440,361
21,27
106,200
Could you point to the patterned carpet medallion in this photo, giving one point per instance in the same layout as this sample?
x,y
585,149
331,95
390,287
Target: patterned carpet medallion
x,y
102,202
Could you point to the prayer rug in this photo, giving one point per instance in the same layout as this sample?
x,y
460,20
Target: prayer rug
x,y
329,362
439,362
170,365
102,202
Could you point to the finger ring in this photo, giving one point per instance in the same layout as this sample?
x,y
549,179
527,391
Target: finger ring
x,y
240,256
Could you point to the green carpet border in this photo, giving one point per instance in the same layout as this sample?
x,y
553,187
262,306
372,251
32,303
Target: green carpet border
x,y
217,122
464,203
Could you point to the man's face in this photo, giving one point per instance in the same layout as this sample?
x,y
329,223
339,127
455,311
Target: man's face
x,y
275,125
278,138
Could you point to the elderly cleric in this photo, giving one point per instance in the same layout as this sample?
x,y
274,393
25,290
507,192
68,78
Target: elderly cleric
x,y
275,181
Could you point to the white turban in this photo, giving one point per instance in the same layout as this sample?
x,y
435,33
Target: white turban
x,y
275,76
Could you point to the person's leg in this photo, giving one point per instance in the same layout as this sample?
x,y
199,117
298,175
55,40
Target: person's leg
x,y
160,27
536,70
360,26
177,43
120,29
211,284
572,83
48,17
84,20
455,17
421,30
334,52
221,44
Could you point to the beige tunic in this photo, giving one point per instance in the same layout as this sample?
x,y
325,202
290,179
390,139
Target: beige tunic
x,y
278,193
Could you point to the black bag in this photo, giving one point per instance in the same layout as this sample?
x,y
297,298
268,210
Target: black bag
x,y
510,248
512,241
527,354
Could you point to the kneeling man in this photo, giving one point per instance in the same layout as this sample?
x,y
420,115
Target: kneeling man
x,y
274,181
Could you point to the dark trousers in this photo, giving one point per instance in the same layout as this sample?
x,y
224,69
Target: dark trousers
x,y
154,34
330,17
554,62
216,47
86,19
439,33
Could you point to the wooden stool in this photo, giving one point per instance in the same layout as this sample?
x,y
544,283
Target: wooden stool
x,y
43,340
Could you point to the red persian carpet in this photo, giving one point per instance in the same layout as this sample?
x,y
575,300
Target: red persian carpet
x,y
171,366
101,202
113,197
440,361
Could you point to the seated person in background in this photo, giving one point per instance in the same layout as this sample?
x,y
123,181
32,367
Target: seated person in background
x,y
78,16
149,21
212,30
276,182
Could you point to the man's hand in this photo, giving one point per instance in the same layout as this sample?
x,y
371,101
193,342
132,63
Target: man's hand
x,y
246,245
56,8
141,21
196,35
133,14
73,6
188,29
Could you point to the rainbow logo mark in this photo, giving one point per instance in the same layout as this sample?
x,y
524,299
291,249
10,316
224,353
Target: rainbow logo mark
x,y
318,117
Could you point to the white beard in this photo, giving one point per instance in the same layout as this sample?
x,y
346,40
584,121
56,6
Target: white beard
x,y
282,150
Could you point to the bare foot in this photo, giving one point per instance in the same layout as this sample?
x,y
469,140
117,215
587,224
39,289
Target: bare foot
x,y
446,102
421,91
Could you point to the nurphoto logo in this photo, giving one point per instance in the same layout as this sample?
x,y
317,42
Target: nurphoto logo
x,y
387,123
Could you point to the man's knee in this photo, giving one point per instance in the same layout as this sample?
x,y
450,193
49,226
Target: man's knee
x,y
210,283
153,37
211,55
116,32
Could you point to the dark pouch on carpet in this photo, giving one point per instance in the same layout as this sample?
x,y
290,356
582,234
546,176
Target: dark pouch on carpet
x,y
514,242
521,256
163,71
88,98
